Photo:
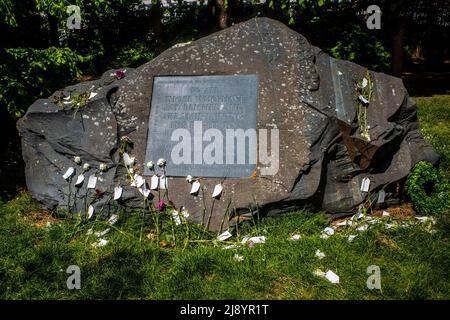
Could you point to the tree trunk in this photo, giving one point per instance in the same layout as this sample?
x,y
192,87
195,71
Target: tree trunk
x,y
218,14
397,50
156,15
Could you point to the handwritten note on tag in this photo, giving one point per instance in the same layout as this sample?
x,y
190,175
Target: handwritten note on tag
x,y
92,182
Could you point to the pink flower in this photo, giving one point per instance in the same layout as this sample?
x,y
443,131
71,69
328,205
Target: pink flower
x,y
119,74
161,205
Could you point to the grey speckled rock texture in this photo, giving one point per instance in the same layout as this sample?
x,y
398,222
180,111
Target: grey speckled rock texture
x,y
306,94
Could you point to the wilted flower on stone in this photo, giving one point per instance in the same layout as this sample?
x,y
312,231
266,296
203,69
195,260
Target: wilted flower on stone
x,y
189,179
161,205
161,163
86,166
103,167
77,160
120,74
150,165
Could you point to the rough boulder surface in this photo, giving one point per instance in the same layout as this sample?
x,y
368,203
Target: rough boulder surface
x,y
309,96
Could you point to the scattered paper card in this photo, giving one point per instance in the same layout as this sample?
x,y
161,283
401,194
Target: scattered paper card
x,y
332,277
386,214
351,237
224,236
117,193
102,233
295,237
92,182
320,254
69,173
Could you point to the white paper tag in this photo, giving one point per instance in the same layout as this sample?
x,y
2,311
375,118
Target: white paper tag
x,y
92,95
261,239
80,180
163,182
102,233
195,187
154,182
365,184
69,173
117,193
217,190
224,236
90,212
144,191
386,214
139,180
92,182
381,196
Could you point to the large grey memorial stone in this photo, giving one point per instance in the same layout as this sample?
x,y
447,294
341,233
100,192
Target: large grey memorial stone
x,y
198,124
258,74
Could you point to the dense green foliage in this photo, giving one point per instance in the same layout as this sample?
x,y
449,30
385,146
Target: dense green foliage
x,y
120,33
429,189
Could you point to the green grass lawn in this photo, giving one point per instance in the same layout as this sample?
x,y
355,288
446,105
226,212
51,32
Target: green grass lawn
x,y
414,257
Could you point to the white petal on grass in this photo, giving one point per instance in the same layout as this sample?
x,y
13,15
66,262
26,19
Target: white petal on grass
x,y
320,254
100,243
69,173
295,237
259,239
90,211
351,237
80,180
195,187
117,193
217,190
363,227
332,277
113,219
231,246
154,182
92,182
102,233
238,257
328,231
224,236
